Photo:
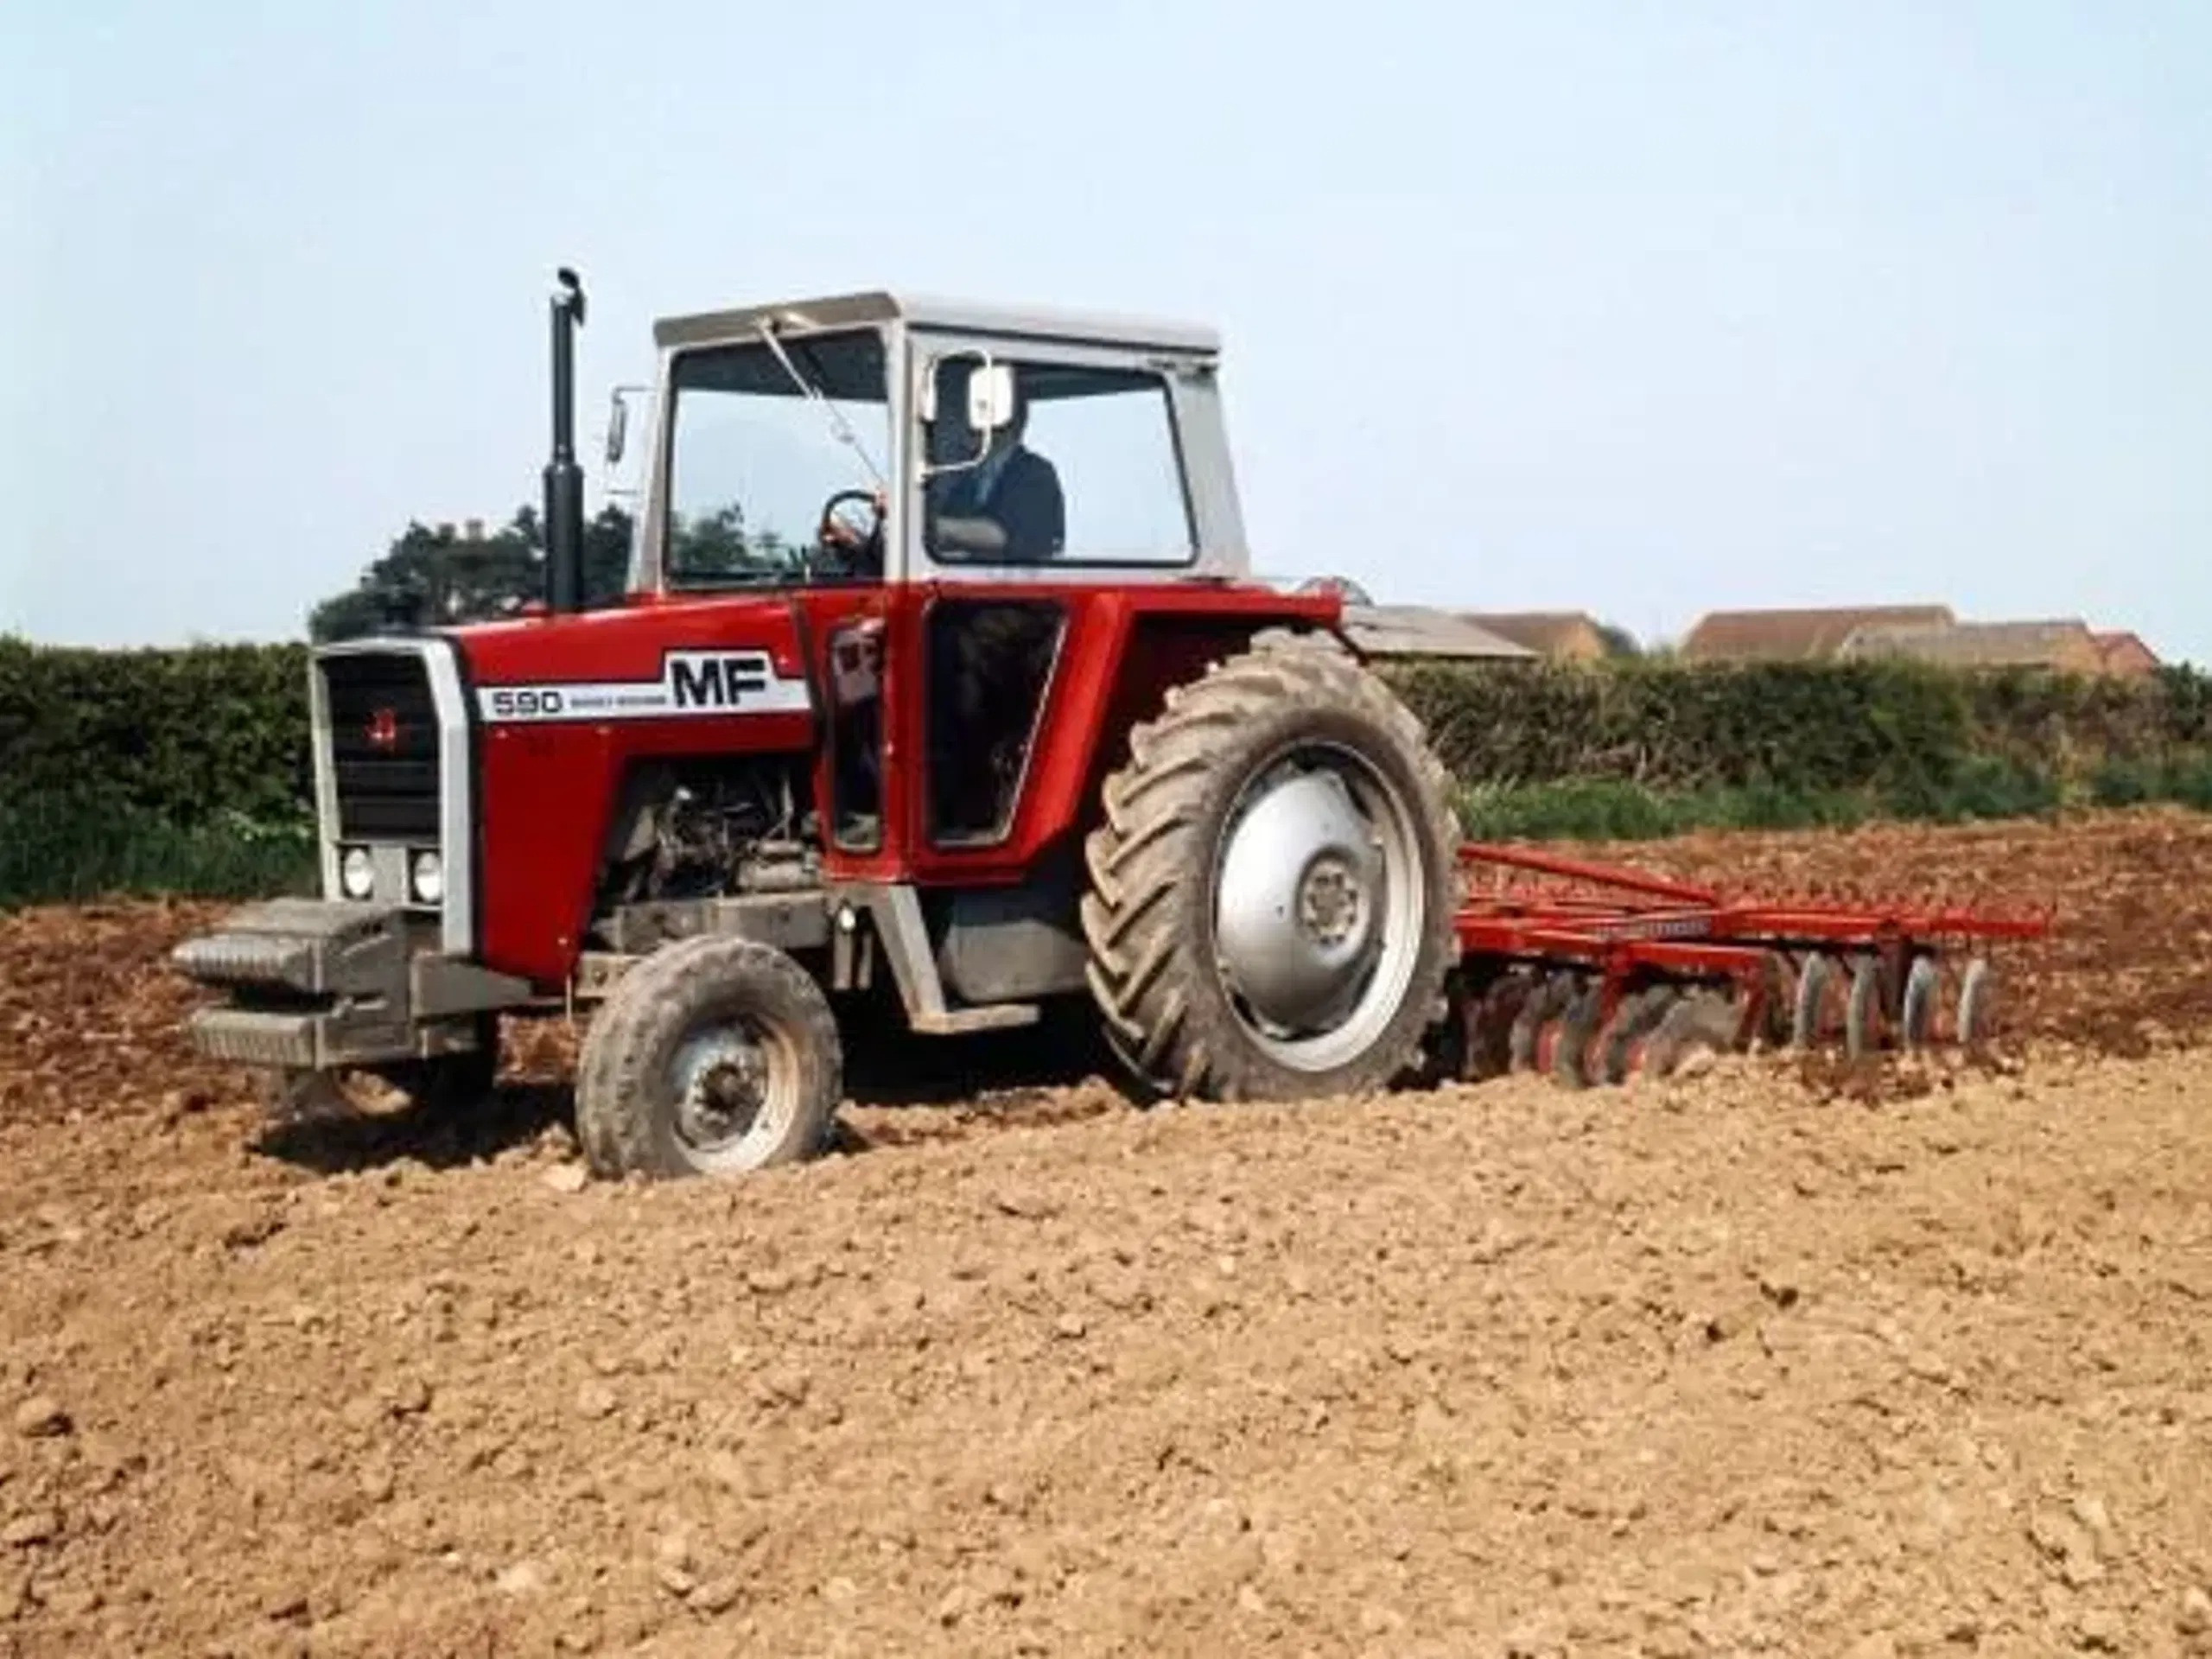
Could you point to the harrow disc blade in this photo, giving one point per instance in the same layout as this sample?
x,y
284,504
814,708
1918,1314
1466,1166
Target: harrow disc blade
x,y
1571,1039
1815,1015
1536,1033
1617,1051
1701,1021
1487,1023
1917,1016
1862,1021
1977,1004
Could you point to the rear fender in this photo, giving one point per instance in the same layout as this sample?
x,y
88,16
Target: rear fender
x,y
1158,653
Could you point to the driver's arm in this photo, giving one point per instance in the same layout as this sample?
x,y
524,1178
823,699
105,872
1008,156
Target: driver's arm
x,y
836,530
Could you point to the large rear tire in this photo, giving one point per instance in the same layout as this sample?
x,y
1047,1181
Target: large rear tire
x,y
712,1056
1271,895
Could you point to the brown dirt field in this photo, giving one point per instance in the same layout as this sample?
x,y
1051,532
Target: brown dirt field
x,y
1726,1365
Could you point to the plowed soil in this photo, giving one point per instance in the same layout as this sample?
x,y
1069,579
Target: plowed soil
x,y
1735,1363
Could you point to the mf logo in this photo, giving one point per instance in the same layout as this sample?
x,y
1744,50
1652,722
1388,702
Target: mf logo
x,y
717,679
697,683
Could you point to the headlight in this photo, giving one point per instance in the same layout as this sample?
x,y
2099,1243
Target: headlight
x,y
428,877
356,875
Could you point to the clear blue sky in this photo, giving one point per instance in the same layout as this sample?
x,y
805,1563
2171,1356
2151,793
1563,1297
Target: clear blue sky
x,y
1640,308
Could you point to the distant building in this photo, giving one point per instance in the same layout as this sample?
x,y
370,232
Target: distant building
x,y
2065,645
1796,635
2126,654
1563,635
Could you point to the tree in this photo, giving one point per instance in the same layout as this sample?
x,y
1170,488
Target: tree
x,y
1619,642
709,544
440,577
607,555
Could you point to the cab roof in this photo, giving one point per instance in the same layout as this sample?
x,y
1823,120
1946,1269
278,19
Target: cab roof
x,y
962,316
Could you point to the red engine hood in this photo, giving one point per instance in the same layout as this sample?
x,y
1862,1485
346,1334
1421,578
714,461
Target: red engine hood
x,y
629,643
564,707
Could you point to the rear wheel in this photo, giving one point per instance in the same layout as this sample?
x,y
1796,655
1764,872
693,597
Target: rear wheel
x,y
713,1057
1271,894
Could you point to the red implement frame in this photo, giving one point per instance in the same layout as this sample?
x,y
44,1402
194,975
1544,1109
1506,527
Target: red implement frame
x,y
1519,905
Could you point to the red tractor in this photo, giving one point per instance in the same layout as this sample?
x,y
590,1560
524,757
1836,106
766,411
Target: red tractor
x,y
939,663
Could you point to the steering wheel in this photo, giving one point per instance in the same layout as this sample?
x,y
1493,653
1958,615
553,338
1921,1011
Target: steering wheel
x,y
861,548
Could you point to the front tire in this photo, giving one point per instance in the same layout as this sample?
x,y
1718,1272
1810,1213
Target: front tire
x,y
1270,911
713,1057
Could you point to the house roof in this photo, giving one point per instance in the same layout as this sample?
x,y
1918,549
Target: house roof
x,y
1788,633
1545,631
1417,631
924,311
2121,642
1980,645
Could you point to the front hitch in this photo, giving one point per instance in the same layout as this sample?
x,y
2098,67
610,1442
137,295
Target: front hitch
x,y
318,984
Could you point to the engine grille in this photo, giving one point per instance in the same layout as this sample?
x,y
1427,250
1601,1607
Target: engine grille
x,y
384,747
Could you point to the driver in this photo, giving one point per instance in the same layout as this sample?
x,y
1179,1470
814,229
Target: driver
x,y
1012,488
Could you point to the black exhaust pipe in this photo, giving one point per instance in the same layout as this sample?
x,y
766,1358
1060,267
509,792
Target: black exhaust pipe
x,y
565,479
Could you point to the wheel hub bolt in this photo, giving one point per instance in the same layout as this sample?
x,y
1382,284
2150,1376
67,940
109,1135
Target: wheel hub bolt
x,y
1328,901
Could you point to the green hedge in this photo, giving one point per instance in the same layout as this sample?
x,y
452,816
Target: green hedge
x,y
1896,728
183,736
189,769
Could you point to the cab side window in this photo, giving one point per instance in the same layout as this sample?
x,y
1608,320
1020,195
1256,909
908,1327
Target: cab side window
x,y
1088,472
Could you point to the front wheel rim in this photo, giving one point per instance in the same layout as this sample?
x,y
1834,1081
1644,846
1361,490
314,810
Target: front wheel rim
x,y
735,1092
1319,907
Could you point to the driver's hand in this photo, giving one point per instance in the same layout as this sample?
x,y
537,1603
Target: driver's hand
x,y
844,535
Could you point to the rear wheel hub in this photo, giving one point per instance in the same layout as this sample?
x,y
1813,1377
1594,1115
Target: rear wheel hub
x,y
1330,900
1317,913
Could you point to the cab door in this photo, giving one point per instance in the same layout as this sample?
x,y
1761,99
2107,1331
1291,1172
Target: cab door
x,y
860,797
990,658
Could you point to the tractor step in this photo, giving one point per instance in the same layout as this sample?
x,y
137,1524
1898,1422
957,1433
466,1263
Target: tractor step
x,y
991,1016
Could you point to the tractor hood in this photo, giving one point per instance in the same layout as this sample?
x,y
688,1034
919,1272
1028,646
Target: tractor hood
x,y
657,660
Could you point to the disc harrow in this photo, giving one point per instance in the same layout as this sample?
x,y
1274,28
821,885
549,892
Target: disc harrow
x,y
1594,974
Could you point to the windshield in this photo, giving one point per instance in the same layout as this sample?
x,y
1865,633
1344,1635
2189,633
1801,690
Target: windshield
x,y
753,457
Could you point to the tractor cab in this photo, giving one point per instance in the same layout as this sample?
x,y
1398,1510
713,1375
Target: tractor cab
x,y
873,438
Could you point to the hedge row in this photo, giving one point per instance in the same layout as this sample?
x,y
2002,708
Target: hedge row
x,y
213,735
189,737
1889,727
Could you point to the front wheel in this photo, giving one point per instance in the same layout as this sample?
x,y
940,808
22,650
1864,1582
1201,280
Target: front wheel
x,y
1270,913
713,1057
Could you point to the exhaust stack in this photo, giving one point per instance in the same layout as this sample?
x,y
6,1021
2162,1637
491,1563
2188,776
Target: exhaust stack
x,y
565,479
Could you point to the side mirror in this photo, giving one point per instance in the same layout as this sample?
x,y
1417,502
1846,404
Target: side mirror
x,y
990,397
990,406
618,426
618,420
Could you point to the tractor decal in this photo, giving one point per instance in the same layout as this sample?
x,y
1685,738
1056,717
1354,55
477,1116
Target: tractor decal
x,y
701,682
